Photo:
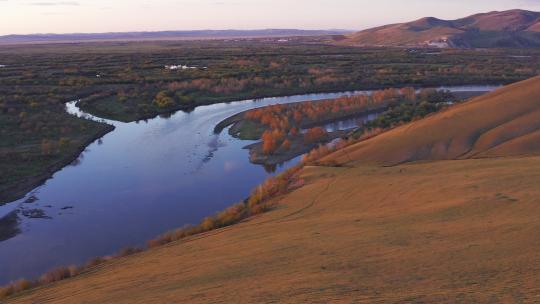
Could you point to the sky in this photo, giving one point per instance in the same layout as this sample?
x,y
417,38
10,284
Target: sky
x,y
91,16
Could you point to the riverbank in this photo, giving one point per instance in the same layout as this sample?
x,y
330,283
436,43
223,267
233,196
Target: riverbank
x,y
133,151
18,189
123,114
10,191
131,116
261,200
282,131
298,146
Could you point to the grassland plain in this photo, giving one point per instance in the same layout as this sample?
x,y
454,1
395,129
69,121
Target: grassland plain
x,y
129,81
28,158
122,81
423,230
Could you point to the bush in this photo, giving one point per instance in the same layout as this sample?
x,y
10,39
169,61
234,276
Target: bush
x,y
258,202
128,251
55,275
96,261
74,270
6,291
207,224
163,100
22,285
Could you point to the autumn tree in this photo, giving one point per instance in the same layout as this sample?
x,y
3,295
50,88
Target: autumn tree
x,y
47,147
314,135
286,145
163,100
408,93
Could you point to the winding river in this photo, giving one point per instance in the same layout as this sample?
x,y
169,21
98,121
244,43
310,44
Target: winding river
x,y
140,180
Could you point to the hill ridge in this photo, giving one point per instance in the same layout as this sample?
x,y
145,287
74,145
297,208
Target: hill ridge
x,y
511,28
502,123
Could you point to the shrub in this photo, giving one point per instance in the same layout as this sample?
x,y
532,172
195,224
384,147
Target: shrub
x,y
128,251
6,291
231,215
55,275
74,270
96,261
257,203
63,142
48,147
22,285
163,100
207,224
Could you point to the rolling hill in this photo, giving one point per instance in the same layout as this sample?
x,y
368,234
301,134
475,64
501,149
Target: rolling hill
x,y
442,210
513,28
503,123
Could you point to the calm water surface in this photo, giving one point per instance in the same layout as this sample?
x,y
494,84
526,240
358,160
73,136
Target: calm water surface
x,y
136,182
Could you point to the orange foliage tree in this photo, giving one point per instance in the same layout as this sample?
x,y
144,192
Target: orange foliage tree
x,y
287,120
314,135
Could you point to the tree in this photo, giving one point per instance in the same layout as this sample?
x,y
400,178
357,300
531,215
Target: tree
x,y
408,93
314,135
286,145
163,100
47,147
63,143
269,142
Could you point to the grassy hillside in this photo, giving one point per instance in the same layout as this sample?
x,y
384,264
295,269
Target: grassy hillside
x,y
461,228
505,122
513,28
453,232
398,35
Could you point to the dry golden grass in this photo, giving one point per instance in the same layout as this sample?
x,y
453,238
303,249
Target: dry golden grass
x,y
503,123
431,29
398,34
450,231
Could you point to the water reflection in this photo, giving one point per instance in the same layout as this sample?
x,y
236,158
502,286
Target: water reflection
x,y
78,161
9,226
270,168
213,146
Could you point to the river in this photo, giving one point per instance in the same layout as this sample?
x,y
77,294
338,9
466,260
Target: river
x,y
139,181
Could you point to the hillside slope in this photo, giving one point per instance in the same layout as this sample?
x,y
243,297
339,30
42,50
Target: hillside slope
x,y
452,231
505,122
444,232
513,28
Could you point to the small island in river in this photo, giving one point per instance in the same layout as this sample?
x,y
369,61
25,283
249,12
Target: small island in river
x,y
283,132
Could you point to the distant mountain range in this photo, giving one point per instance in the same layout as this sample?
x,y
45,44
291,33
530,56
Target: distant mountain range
x,y
165,35
513,28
